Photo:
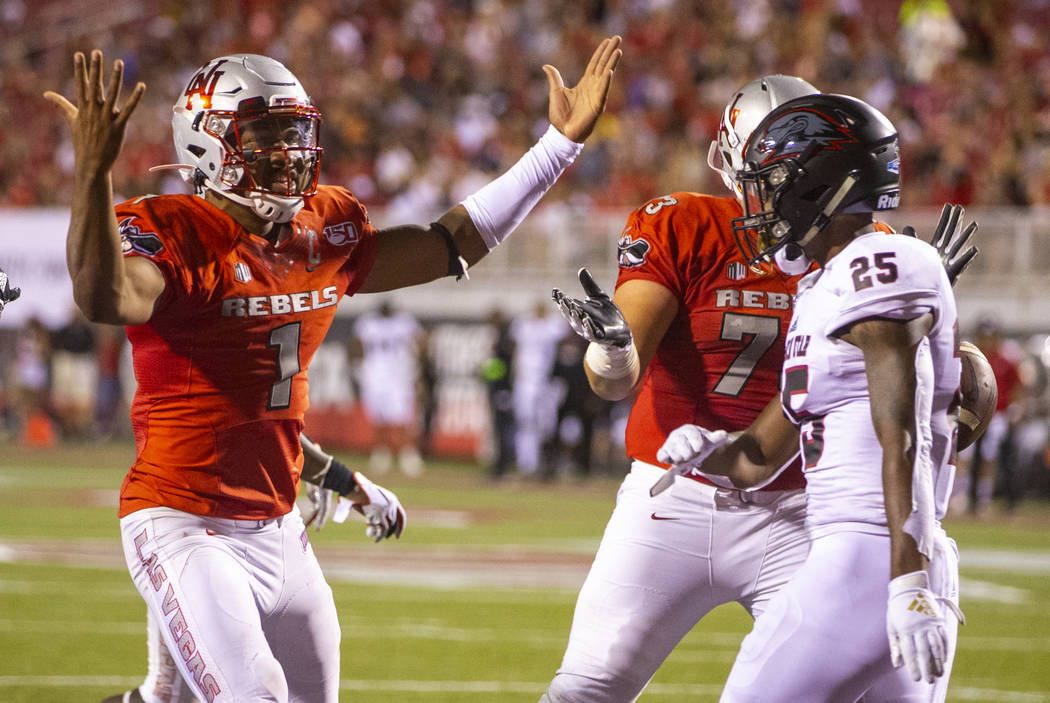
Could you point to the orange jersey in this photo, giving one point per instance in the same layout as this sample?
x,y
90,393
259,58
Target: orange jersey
x,y
221,364
719,363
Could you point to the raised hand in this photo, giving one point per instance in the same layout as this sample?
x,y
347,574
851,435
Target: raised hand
x,y
574,111
597,319
97,122
949,241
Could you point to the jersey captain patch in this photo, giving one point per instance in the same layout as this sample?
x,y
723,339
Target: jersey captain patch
x,y
632,251
134,239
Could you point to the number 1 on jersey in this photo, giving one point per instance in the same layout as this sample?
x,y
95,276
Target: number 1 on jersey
x,y
285,339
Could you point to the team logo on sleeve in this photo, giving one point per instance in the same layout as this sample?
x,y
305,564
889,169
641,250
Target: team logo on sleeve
x,y
632,251
134,239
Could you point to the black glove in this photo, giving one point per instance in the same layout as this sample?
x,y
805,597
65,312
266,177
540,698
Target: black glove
x,y
596,319
949,241
7,293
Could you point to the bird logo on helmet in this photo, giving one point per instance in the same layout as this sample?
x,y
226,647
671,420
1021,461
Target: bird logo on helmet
x,y
793,132
245,129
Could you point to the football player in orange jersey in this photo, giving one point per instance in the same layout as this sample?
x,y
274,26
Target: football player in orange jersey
x,y
225,298
695,331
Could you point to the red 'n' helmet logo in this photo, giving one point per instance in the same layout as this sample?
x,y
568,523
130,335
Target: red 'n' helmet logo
x,y
203,84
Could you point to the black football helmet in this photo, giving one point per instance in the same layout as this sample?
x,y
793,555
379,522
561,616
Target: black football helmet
x,y
811,158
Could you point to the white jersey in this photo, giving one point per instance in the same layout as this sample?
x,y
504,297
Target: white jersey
x,y
824,388
535,347
390,347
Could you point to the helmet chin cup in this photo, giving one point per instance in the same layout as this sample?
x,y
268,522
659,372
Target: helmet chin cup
x,y
272,208
791,259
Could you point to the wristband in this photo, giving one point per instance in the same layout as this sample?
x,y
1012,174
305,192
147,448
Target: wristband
x,y
457,265
500,206
339,478
612,362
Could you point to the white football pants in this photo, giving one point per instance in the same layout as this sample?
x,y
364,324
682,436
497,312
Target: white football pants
x,y
663,564
823,637
242,605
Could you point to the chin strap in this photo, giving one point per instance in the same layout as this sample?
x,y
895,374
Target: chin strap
x,y
273,208
821,221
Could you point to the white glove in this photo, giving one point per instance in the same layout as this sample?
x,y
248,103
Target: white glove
x,y
915,625
685,449
383,511
324,502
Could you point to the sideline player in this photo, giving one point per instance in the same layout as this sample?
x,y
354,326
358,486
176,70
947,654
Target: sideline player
x,y
868,391
701,333
225,298
387,346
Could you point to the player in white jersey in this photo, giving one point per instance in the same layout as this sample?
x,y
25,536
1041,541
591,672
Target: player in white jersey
x,y
388,346
868,390
536,336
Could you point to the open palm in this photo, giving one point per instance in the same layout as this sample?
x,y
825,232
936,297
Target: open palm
x,y
574,111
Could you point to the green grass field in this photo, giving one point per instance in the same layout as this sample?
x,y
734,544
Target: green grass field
x,y
472,604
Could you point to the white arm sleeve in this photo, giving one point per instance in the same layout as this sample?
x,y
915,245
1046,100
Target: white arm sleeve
x,y
500,206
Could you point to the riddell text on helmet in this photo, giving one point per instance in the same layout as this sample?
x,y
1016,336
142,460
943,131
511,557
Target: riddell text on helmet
x,y
176,621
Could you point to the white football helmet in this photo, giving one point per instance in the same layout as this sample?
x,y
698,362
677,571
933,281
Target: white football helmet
x,y
742,114
246,129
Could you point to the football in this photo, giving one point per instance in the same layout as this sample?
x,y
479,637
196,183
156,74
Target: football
x,y
978,395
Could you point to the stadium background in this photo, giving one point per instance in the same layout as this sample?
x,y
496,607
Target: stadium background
x,y
424,100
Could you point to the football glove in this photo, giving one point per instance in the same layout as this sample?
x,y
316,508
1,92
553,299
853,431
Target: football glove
x,y
915,626
685,449
597,319
383,511
324,502
949,240
7,293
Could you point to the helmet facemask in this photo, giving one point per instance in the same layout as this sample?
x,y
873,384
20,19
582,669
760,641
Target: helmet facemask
x,y
269,152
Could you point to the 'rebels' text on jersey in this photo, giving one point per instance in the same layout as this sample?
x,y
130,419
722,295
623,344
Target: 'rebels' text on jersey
x,y
220,366
719,362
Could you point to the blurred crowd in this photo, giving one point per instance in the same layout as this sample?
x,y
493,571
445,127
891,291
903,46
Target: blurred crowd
x,y
424,100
